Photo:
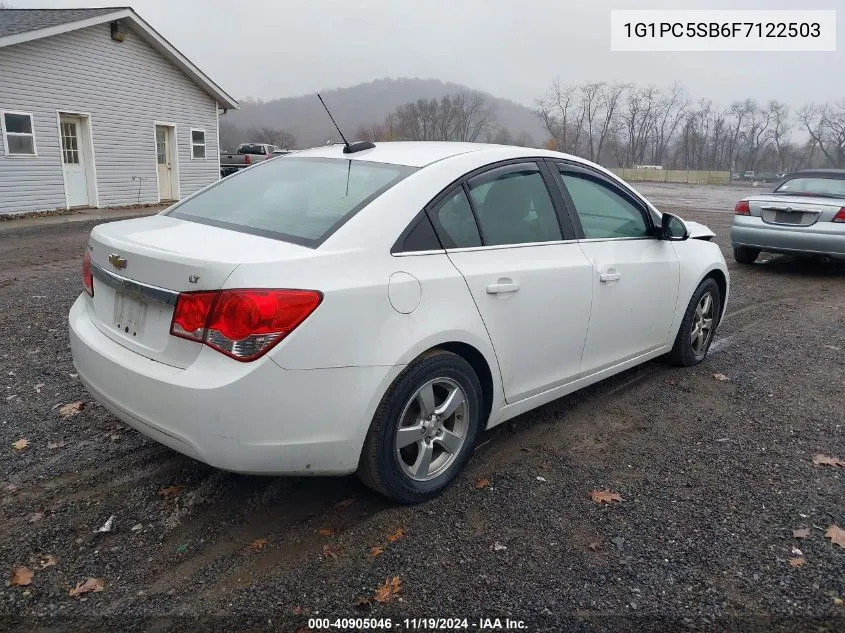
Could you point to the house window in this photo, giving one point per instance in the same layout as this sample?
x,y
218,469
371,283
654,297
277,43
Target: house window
x,y
18,134
198,144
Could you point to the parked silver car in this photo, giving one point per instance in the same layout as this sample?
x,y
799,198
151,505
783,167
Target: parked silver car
x,y
804,215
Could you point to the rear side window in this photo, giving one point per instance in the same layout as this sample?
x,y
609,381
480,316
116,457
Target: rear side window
x,y
299,200
457,227
514,207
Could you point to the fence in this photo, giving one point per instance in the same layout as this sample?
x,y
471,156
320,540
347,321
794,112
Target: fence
x,y
684,176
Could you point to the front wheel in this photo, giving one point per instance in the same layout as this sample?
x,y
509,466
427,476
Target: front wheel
x,y
424,430
698,326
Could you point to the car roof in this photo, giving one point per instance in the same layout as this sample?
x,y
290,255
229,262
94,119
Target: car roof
x,y
839,174
409,153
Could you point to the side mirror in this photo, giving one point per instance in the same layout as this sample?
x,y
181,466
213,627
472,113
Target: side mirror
x,y
673,228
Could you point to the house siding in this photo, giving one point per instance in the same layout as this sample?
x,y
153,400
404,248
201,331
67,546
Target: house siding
x,y
124,87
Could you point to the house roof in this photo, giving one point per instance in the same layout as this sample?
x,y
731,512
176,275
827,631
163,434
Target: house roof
x,y
24,25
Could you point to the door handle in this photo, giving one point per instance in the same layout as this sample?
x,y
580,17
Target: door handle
x,y
610,275
500,288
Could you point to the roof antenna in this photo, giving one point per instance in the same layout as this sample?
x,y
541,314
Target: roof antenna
x,y
349,148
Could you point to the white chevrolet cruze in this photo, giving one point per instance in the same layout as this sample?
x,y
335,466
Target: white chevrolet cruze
x,y
371,309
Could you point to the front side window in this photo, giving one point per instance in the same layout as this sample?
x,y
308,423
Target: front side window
x,y
514,207
300,200
198,144
604,213
18,134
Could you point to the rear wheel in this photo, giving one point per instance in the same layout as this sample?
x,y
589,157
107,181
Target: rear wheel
x,y
424,430
746,254
698,326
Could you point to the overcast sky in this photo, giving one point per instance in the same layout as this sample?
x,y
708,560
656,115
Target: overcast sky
x,y
510,48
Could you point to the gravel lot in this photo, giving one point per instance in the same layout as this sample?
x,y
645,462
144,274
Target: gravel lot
x,y
714,475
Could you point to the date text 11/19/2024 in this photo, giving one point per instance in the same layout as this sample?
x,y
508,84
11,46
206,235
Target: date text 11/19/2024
x,y
417,624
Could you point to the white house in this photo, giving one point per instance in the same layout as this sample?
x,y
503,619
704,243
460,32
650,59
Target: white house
x,y
97,109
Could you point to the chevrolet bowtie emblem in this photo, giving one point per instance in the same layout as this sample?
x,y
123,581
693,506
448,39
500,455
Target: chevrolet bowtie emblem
x,y
117,261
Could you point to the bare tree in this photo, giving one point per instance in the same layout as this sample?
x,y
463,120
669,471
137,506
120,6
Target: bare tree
x,y
826,126
669,112
273,136
457,117
556,110
5,5
780,131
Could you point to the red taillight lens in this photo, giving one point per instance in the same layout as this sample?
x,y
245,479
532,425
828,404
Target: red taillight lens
x,y
840,215
742,208
247,159
243,324
87,275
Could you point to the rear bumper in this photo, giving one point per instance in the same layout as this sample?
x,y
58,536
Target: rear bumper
x,y
823,238
254,418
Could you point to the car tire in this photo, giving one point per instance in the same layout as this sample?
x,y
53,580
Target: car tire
x,y
746,254
394,465
689,349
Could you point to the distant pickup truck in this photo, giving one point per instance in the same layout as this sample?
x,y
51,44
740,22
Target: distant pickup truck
x,y
248,154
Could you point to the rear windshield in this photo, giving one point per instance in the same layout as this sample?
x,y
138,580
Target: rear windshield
x,y
299,200
251,149
814,186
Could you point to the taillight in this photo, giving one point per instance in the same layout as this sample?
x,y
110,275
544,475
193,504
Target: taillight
x,y
243,324
87,275
840,215
247,159
742,208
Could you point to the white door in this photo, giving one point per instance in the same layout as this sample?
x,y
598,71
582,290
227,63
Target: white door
x,y
75,161
164,151
635,275
532,290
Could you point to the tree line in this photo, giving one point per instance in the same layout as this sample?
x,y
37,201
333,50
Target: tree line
x,y
623,125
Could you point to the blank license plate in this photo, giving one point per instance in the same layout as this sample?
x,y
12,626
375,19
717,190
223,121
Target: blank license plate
x,y
129,314
786,217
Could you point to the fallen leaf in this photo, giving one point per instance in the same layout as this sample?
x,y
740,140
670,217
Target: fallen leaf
x,y
69,410
52,445
482,483
38,387
797,562
297,610
257,545
389,589
20,444
363,603
170,491
672,381
36,516
326,532
399,533
826,460
838,601
721,377
48,560
345,503
595,545
604,496
376,551
21,576
801,533
92,585
331,551
836,535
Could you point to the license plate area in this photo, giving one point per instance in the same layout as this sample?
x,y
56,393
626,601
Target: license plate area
x,y
130,314
789,217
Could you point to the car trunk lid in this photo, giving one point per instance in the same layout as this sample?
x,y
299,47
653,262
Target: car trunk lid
x,y
140,266
795,210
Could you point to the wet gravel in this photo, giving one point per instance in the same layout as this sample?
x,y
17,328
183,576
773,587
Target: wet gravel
x,y
714,476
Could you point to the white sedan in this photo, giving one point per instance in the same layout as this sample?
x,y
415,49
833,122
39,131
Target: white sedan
x,y
370,309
